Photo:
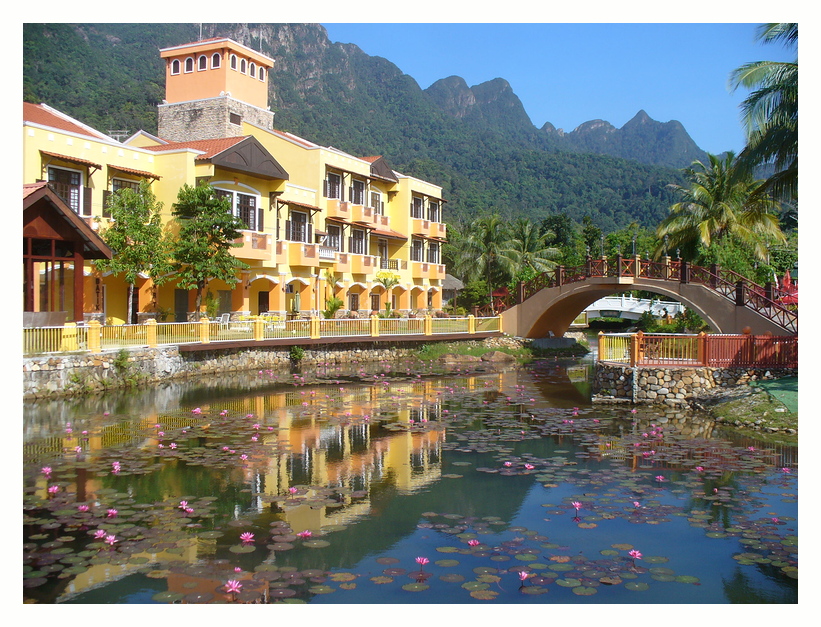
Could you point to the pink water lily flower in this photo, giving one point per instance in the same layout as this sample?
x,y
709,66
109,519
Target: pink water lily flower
x,y
473,543
183,504
247,536
636,555
111,539
196,410
233,586
304,534
292,490
46,470
422,561
576,505
523,575
53,489
111,513
100,534
83,508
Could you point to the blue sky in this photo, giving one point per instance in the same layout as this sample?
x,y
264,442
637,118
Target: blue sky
x,y
570,73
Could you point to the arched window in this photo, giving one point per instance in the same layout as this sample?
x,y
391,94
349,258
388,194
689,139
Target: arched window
x,y
216,60
252,69
242,66
175,66
202,62
262,73
233,62
189,64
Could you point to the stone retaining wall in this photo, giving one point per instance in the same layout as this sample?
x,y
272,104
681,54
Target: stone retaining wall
x,y
671,386
66,375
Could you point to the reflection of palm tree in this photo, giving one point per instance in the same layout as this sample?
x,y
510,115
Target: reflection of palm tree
x,y
770,113
720,203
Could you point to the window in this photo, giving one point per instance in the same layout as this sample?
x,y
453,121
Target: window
x,y
376,202
233,62
244,206
357,242
417,208
262,73
252,69
375,305
68,185
333,186
358,193
242,66
118,184
433,211
353,302
202,62
175,66
433,252
216,60
189,64
235,118
334,238
416,250
298,229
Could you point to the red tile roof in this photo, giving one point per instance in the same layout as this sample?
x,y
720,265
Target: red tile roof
x,y
46,116
209,147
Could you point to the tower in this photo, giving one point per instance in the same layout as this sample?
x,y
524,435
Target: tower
x,y
211,87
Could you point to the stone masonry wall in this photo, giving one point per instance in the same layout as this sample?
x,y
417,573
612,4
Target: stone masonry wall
x,y
71,374
208,119
671,386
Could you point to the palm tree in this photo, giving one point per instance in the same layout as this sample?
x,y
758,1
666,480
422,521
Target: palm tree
x,y
486,253
530,248
720,203
770,113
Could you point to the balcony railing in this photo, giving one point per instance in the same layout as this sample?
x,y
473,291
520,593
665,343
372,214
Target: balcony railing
x,y
95,338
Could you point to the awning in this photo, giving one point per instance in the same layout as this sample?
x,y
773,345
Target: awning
x,y
140,173
389,233
83,162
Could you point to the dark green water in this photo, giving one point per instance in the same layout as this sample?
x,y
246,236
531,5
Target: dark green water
x,y
476,472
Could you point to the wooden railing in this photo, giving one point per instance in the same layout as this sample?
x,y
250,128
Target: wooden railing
x,y
710,350
95,338
731,285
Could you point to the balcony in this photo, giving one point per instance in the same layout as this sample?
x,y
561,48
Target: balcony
x,y
327,254
337,209
364,264
428,228
425,270
253,246
300,254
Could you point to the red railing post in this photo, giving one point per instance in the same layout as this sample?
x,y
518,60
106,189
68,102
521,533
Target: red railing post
x,y
560,276
702,355
618,264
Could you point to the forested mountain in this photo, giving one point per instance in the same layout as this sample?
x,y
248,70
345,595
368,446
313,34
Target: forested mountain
x,y
477,142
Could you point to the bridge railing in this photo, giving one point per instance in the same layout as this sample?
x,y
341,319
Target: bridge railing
x,y
731,285
709,350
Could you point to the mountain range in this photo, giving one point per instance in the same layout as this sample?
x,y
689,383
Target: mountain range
x,y
476,141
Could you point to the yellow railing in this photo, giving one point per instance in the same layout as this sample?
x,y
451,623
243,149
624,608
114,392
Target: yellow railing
x,y
615,347
95,338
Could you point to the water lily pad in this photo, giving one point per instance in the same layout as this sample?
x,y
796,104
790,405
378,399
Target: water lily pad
x,y
321,589
584,591
415,587
316,544
452,578
484,595
168,597
687,579
447,563
569,582
638,586
381,579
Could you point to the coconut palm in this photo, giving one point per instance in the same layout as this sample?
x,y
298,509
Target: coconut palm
x,y
529,247
485,252
770,113
719,203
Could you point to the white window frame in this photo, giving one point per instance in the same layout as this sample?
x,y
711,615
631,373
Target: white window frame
x,y
202,63
417,244
235,204
363,195
338,186
234,65
216,60
82,185
178,64
261,73
421,201
243,66
188,61
252,69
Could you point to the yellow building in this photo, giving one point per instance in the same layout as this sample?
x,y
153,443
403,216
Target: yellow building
x,y
319,222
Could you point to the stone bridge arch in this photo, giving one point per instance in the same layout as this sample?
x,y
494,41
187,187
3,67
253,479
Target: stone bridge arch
x,y
553,309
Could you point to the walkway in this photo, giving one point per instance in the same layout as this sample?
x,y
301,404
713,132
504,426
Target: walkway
x,y
783,390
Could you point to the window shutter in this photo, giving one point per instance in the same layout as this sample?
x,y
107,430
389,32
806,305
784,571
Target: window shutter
x,y
86,201
260,218
325,188
106,201
309,233
288,230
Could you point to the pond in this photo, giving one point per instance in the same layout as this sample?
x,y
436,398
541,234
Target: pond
x,y
387,484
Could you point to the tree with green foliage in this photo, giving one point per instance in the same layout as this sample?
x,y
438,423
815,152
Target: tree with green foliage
x,y
486,253
529,247
207,233
135,234
720,204
770,113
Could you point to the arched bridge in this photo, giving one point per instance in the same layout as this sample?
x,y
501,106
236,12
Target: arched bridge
x,y
727,301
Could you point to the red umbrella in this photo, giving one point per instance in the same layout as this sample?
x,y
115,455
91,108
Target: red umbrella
x,y
786,282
